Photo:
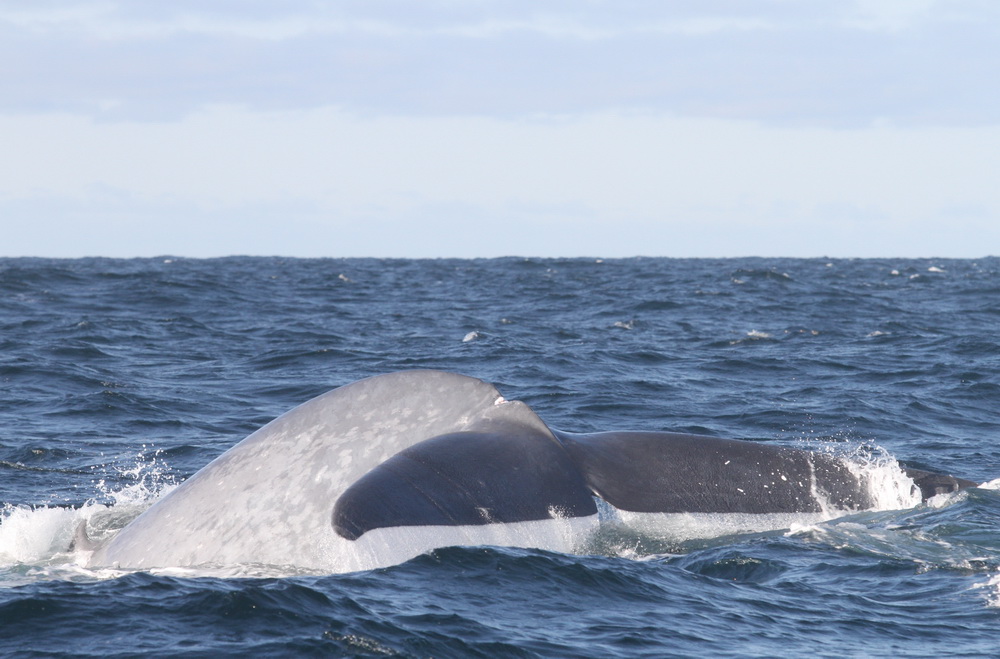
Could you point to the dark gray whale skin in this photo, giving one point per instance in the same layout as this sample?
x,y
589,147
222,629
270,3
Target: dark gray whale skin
x,y
671,472
522,473
466,478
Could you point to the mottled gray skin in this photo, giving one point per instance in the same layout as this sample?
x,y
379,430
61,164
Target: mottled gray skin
x,y
427,449
268,499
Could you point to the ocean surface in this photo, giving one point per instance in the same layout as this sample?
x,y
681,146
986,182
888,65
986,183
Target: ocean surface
x,y
122,378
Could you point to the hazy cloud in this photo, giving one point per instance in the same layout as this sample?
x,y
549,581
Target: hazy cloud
x,y
814,63
432,128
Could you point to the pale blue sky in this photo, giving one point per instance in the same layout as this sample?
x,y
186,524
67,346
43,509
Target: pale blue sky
x,y
479,128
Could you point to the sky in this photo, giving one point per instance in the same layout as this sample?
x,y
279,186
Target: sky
x,y
478,128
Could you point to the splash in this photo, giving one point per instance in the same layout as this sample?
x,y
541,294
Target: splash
x,y
643,535
991,485
140,480
41,540
888,485
34,535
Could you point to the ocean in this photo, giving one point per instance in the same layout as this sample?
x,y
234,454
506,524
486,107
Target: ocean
x,y
123,377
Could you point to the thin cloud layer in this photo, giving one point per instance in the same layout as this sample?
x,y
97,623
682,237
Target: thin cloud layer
x,y
798,63
485,128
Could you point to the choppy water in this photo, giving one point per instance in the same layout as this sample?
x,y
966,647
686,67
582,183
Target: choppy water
x,y
124,377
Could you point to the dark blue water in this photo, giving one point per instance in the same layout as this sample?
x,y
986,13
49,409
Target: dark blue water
x,y
121,377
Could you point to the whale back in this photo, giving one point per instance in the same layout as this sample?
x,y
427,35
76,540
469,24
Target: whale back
x,y
269,498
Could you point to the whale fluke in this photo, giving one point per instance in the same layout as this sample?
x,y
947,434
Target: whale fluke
x,y
380,470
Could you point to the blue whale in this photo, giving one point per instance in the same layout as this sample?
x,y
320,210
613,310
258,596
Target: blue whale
x,y
383,469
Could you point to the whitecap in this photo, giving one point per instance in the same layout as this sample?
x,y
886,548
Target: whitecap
x,y
993,585
752,335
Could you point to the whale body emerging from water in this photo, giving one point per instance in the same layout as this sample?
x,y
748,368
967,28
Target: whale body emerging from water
x,y
383,469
